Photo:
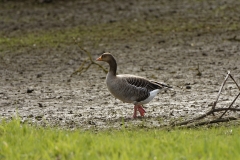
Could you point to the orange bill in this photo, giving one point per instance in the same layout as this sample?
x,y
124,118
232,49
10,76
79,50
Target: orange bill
x,y
99,58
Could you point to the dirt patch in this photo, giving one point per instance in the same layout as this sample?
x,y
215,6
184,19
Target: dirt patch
x,y
189,45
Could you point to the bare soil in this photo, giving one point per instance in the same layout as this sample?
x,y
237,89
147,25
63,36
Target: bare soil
x,y
199,44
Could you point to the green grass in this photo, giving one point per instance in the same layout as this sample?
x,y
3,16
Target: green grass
x,y
22,141
103,33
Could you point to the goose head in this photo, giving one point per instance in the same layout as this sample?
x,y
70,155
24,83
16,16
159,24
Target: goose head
x,y
106,57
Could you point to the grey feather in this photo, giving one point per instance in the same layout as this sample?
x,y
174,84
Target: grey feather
x,y
142,86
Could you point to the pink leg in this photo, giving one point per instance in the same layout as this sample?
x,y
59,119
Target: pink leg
x,y
135,111
140,109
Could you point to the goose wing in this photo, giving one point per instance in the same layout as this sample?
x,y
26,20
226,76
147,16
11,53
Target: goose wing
x,y
141,87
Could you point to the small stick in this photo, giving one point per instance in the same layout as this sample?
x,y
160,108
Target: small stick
x,y
205,115
194,119
220,90
229,106
90,58
218,120
213,121
234,81
82,68
226,109
234,99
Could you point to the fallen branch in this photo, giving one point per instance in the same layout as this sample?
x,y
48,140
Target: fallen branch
x,y
214,109
90,62
205,115
227,119
220,90
234,81
230,106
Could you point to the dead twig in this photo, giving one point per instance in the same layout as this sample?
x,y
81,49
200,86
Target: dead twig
x,y
205,115
227,119
216,121
229,106
214,109
89,60
220,90
234,81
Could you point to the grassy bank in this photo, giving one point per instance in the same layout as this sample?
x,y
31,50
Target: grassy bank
x,y
19,141
123,30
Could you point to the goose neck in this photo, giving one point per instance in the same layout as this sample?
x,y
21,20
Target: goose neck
x,y
113,67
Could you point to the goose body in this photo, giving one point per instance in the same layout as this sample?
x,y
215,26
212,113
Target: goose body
x,y
129,88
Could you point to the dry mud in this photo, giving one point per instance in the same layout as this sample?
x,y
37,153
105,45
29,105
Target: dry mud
x,y
37,86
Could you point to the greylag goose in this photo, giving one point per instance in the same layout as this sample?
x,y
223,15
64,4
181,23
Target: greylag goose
x,y
130,88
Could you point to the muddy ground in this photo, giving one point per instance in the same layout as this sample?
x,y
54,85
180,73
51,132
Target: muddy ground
x,y
199,44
